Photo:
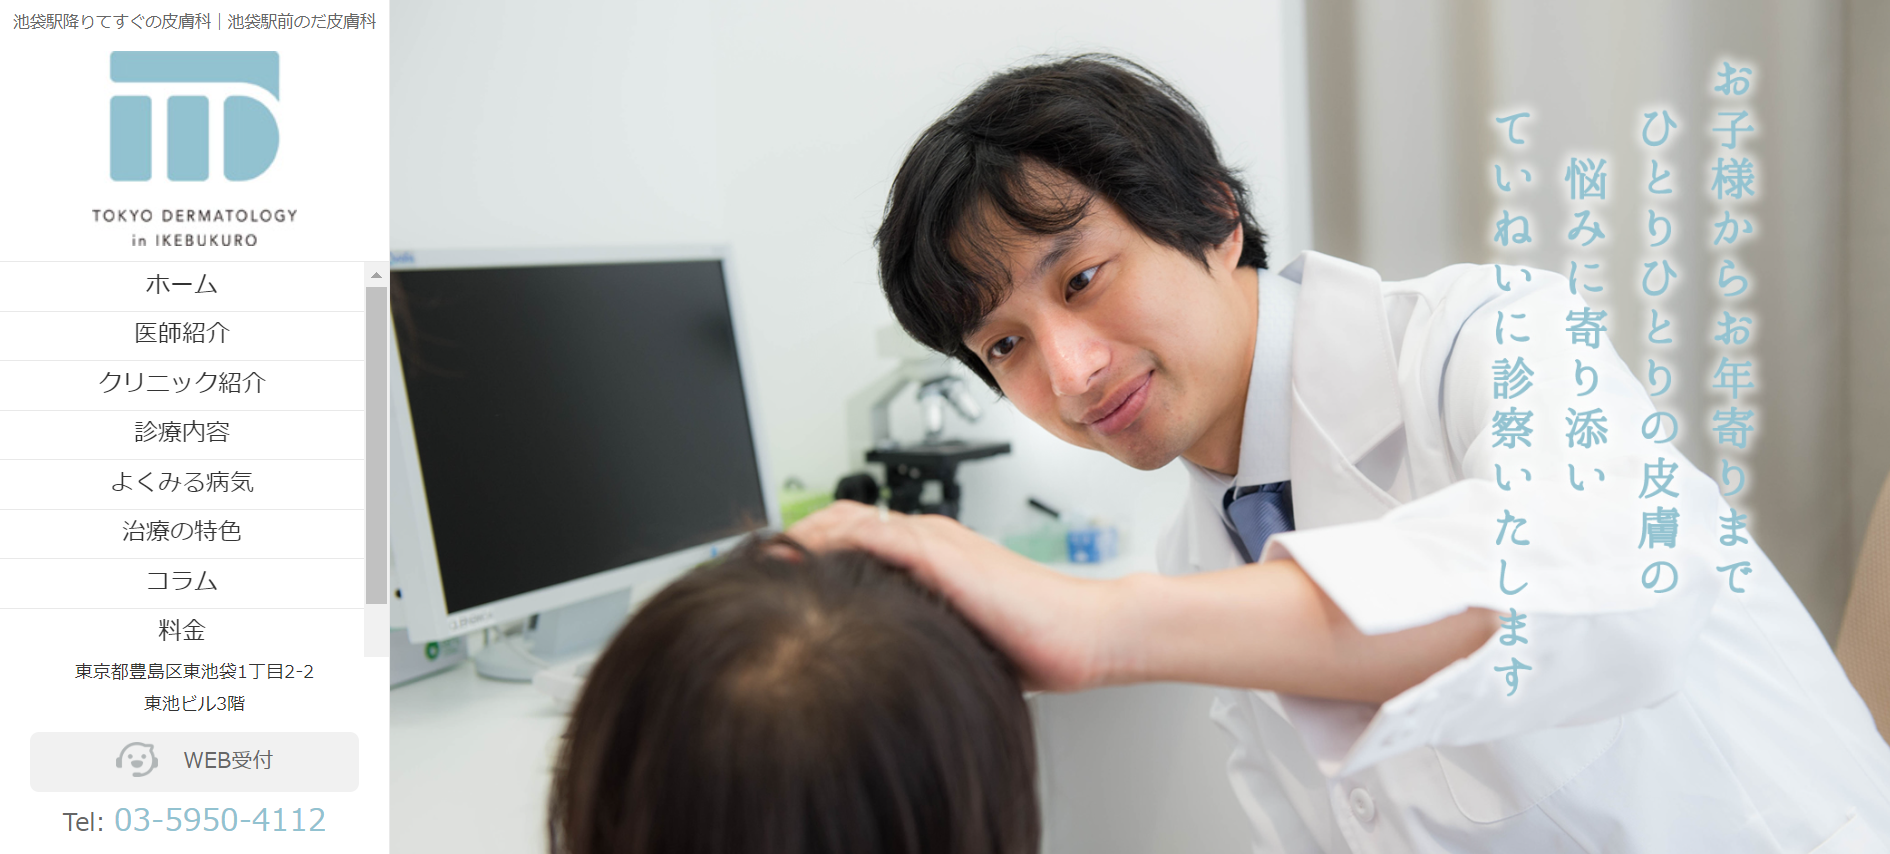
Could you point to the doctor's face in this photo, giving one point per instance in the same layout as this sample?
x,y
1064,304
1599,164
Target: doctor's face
x,y
1120,344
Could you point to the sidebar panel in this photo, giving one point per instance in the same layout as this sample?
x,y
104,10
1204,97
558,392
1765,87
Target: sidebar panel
x,y
193,310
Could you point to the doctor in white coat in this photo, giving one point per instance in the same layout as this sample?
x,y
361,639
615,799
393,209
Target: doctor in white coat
x,y
1464,594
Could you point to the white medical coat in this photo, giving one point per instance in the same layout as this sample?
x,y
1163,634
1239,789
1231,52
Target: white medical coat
x,y
1660,713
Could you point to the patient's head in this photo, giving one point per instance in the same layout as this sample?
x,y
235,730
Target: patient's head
x,y
786,702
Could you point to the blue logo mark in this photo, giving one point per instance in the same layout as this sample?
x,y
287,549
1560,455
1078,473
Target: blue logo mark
x,y
250,136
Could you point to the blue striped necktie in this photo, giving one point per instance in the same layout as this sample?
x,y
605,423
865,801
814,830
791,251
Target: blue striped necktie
x,y
1258,512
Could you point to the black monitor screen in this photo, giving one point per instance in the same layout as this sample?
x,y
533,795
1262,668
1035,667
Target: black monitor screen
x,y
573,419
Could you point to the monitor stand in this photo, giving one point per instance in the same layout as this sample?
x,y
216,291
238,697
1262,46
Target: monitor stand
x,y
552,637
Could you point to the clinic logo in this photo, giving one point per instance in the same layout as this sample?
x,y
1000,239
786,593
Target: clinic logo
x,y
250,136
138,758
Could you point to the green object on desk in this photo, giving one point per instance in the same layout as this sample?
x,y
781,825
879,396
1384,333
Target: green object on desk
x,y
1047,543
797,504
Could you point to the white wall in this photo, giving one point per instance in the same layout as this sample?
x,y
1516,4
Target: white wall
x,y
775,129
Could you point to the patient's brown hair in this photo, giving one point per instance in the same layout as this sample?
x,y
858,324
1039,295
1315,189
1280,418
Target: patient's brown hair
x,y
786,702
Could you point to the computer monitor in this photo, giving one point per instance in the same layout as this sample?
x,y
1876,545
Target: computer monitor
x,y
564,426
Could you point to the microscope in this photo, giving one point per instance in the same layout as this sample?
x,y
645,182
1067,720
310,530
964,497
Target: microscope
x,y
910,466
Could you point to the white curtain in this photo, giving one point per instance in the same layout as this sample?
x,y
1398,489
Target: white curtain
x,y
1404,101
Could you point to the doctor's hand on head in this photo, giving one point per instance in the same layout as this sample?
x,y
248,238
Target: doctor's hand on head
x,y
1264,625
1055,628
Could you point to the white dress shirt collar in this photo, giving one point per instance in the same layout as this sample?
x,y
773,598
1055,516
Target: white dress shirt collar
x,y
1263,434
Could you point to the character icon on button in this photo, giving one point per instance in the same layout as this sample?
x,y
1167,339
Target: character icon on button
x,y
140,757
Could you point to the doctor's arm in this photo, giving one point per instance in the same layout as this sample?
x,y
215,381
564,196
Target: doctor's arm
x,y
1291,636
1265,626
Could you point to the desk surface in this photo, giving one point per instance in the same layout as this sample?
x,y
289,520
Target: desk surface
x,y
471,764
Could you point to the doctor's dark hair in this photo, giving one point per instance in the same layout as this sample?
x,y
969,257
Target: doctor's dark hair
x,y
786,702
1113,127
